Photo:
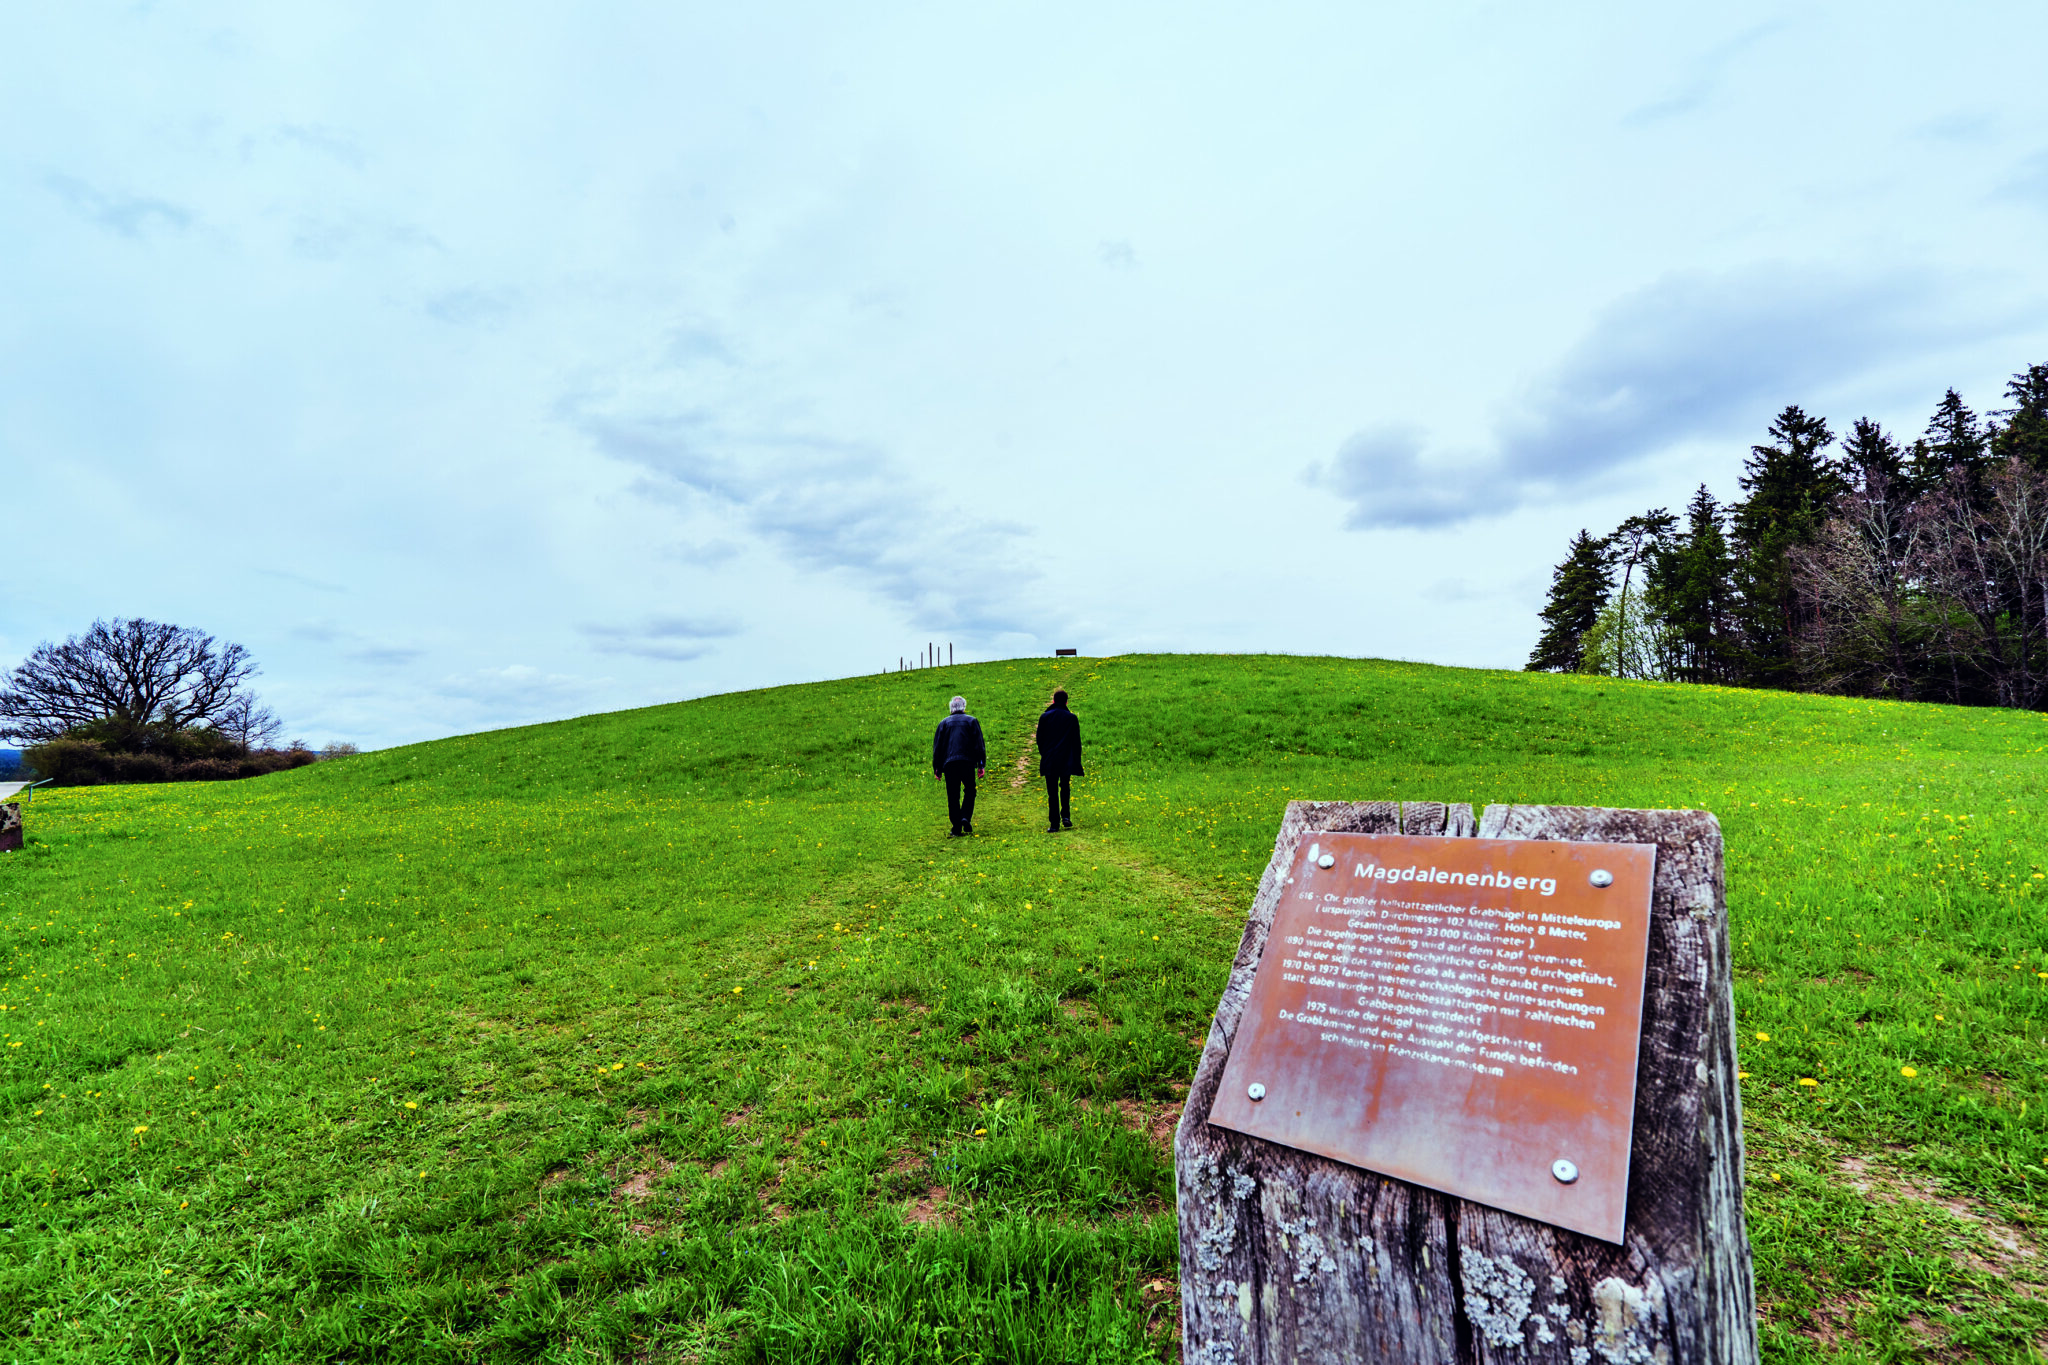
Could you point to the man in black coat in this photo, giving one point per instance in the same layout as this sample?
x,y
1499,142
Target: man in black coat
x,y
958,755
1059,758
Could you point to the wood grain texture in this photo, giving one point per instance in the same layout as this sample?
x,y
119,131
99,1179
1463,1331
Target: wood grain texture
x,y
10,827
1289,1256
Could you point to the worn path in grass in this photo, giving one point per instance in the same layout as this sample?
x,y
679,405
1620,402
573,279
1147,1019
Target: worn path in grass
x,y
686,1032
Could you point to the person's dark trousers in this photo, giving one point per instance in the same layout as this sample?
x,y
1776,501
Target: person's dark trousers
x,y
1059,805
960,793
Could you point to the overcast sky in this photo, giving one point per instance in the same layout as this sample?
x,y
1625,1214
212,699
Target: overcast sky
x,y
474,365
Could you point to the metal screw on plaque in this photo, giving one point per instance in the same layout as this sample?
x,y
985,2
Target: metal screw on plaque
x,y
1601,877
1256,1091
1327,860
1564,1170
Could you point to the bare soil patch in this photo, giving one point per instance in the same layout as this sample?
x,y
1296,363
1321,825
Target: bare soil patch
x,y
933,1208
2009,1251
638,1182
1833,1324
1156,1119
1087,1012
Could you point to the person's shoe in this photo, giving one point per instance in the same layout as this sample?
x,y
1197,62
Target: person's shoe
x,y
1053,830
1066,824
967,829
953,833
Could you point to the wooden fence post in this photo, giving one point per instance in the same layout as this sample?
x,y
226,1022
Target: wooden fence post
x,y
1290,1256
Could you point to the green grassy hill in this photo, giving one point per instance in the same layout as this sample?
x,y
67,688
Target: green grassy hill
x,y
685,1033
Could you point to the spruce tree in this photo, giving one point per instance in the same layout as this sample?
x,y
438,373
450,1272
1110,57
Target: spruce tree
x,y
1691,590
2022,432
1953,442
1870,455
1579,588
1791,483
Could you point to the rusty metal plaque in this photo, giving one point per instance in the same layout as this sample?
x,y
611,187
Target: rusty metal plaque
x,y
1459,1013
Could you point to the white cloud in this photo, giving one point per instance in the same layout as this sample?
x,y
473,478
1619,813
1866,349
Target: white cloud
x,y
1693,357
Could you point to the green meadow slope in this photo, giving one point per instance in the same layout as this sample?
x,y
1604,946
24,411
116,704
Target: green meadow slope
x,y
684,1033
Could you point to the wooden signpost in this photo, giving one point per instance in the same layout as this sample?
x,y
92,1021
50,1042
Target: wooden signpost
x,y
10,827
1472,1101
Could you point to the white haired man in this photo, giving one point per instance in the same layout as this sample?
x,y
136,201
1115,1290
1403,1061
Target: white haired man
x,y
959,755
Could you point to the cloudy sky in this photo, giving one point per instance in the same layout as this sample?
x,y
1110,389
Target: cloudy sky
x,y
478,364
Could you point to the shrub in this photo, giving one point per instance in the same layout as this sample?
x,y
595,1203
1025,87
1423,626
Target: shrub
x,y
80,762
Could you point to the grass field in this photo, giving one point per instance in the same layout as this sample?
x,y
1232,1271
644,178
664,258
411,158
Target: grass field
x,y
684,1033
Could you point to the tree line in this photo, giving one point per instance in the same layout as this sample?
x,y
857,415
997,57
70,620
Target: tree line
x,y
1856,563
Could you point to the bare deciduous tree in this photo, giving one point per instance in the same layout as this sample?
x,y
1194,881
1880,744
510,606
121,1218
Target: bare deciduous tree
x,y
2013,527
249,723
136,675
1865,632
1983,563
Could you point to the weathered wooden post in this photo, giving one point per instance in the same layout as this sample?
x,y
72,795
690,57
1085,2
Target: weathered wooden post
x,y
10,827
1568,1197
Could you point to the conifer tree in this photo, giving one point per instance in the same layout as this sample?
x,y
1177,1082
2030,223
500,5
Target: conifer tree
x,y
1692,592
1953,442
1579,588
1791,483
2022,432
1870,454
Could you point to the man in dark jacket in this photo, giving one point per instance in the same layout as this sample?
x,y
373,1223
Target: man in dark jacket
x,y
958,755
1059,758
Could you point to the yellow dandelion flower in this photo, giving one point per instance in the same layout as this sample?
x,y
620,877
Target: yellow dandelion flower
x,y
1907,1071
141,1128
1763,1037
1808,1080
980,1132
1742,1075
412,1104
618,1066
735,990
